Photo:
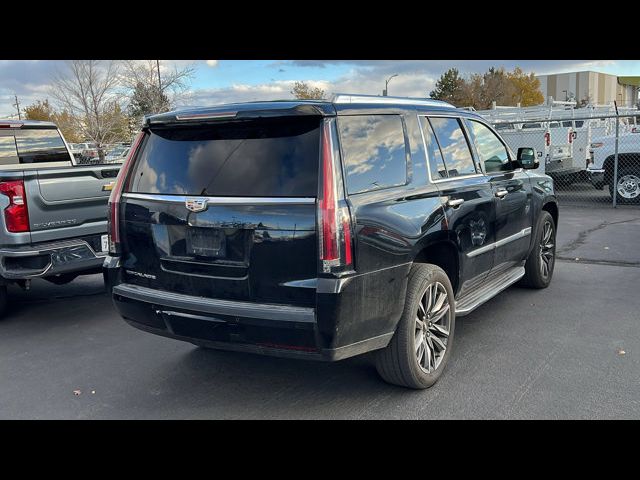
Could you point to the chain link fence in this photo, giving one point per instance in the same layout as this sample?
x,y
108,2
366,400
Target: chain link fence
x,y
593,159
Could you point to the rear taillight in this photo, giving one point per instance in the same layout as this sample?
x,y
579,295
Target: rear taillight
x,y
114,198
334,219
16,215
327,202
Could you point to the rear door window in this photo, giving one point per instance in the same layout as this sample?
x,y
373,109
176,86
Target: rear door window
x,y
374,150
37,145
436,162
252,158
454,146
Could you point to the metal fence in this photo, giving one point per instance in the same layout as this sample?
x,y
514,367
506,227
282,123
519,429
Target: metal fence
x,y
593,160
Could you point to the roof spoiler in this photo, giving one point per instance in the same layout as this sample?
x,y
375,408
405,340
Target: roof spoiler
x,y
235,112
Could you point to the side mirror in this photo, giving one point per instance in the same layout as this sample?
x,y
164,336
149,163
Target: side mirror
x,y
527,158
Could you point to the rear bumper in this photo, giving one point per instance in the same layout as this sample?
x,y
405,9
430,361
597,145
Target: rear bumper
x,y
279,330
42,260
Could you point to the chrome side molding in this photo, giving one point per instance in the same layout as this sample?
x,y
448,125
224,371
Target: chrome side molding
x,y
500,243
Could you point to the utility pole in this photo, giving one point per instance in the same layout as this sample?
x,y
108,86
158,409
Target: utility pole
x,y
17,105
159,81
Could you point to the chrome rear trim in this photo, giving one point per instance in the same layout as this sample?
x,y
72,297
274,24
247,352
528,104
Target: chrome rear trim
x,y
223,200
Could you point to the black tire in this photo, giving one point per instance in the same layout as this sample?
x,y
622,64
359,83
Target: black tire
x,y
4,300
633,173
534,276
398,363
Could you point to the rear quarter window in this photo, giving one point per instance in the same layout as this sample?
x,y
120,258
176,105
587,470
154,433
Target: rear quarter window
x,y
374,151
253,158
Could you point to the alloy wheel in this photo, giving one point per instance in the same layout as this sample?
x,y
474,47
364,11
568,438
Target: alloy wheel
x,y
432,325
547,249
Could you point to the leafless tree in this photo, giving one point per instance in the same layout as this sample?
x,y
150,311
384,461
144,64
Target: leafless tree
x,y
87,89
151,90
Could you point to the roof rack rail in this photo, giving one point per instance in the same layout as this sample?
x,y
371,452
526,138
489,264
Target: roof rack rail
x,y
341,98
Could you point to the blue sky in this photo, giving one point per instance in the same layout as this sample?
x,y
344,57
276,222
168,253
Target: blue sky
x,y
222,81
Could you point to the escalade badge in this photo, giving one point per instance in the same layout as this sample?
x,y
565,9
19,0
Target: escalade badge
x,y
196,204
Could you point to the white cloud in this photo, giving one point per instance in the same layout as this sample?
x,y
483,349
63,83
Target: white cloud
x,y
212,63
240,92
411,84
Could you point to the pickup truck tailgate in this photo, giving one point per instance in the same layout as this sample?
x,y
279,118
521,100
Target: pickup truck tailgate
x,y
68,201
77,183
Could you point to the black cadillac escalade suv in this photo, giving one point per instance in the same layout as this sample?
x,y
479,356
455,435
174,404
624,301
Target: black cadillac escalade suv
x,y
325,229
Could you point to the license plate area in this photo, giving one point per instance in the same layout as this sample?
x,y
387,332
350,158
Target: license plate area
x,y
206,242
104,243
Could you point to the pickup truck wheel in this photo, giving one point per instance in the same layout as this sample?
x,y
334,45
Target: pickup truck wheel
x,y
418,352
542,259
627,190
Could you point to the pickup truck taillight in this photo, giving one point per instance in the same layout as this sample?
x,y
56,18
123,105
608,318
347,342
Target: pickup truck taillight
x,y
114,199
334,219
16,215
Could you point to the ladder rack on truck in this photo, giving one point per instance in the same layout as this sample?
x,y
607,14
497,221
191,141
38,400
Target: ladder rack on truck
x,y
560,132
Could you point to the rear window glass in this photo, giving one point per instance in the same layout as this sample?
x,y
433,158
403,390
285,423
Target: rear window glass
x,y
374,151
8,152
254,158
41,145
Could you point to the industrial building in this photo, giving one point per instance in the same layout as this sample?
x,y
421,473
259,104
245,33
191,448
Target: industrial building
x,y
591,87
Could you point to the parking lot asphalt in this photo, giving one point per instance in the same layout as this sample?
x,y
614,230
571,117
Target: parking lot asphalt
x,y
554,353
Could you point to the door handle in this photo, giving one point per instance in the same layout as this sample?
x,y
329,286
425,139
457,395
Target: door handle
x,y
455,203
501,193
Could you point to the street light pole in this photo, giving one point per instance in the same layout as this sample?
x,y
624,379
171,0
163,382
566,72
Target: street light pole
x,y
386,84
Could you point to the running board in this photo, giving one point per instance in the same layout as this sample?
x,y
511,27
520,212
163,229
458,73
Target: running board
x,y
472,300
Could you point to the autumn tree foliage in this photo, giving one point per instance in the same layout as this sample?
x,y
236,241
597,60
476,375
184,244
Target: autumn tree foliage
x,y
44,111
303,91
480,90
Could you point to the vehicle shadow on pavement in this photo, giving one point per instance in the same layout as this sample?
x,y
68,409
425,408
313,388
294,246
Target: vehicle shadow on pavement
x,y
41,291
207,383
244,385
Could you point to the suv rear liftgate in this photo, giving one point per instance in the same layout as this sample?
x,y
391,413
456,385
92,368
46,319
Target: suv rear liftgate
x,y
221,221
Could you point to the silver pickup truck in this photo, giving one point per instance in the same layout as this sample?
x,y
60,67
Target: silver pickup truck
x,y
53,213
